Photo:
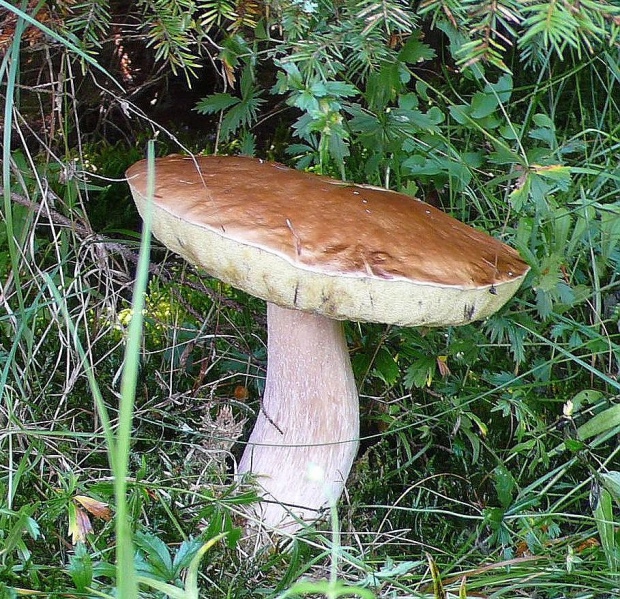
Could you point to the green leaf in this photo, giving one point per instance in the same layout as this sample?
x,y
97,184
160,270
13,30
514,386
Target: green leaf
x,y
415,51
304,100
81,568
191,590
421,88
382,86
482,105
574,445
338,149
458,172
415,120
247,144
157,554
338,89
603,423
421,372
503,88
385,367
611,481
419,165
7,592
602,509
318,89
557,173
185,554
461,113
610,233
542,120
586,397
290,79
23,523
171,591
191,580
215,103
242,114
234,48
545,135
390,571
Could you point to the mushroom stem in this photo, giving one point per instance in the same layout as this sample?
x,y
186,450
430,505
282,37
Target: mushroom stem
x,y
309,421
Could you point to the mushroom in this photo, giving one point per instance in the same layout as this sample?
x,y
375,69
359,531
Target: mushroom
x,y
319,251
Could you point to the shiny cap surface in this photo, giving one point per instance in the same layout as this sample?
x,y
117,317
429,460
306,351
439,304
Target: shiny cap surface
x,y
314,243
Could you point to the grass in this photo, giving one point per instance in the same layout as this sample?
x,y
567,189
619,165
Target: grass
x,y
128,381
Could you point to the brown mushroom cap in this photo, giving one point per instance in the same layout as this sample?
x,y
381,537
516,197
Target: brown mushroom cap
x,y
350,252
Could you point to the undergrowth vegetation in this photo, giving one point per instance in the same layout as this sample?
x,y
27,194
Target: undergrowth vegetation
x,y
489,462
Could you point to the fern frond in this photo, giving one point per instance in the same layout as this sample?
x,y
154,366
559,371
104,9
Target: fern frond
x,y
452,11
556,25
215,12
389,15
89,21
172,33
541,27
492,29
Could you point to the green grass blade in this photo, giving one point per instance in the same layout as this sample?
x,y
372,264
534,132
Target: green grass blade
x,y
10,66
126,574
88,367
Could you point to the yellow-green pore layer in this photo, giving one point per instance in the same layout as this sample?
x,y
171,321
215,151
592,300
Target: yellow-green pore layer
x,y
349,252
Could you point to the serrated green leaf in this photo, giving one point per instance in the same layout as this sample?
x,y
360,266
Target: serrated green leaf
x,y
242,114
382,86
413,120
421,372
304,100
556,173
339,89
386,367
415,51
156,553
247,144
545,135
419,165
215,103
338,148
185,554
318,89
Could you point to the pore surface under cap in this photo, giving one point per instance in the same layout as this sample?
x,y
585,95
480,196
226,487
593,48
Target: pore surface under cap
x,y
318,244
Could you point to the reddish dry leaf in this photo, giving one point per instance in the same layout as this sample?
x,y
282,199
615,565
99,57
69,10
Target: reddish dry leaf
x,y
96,508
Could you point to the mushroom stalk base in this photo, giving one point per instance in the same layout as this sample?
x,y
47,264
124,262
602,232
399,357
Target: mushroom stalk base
x,y
306,436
